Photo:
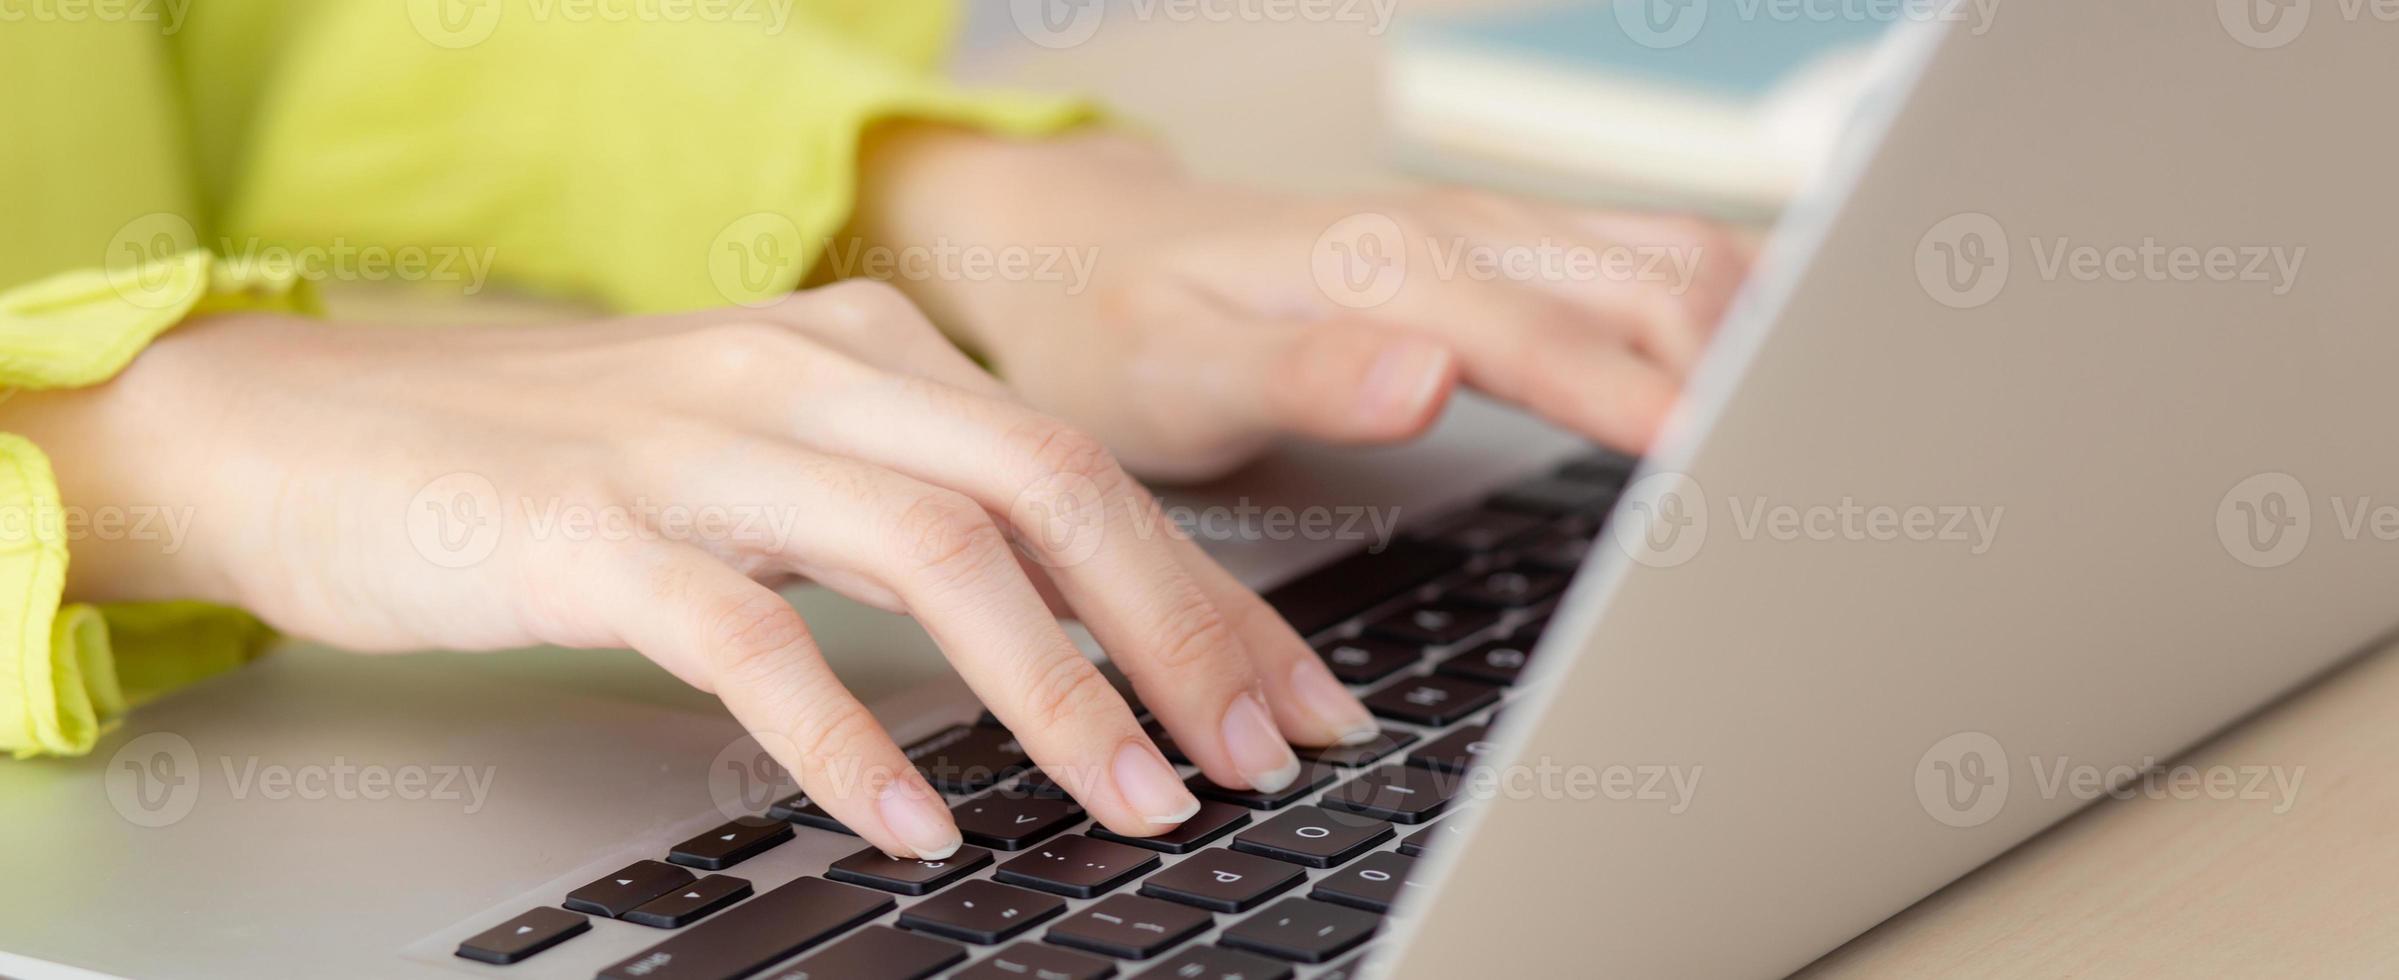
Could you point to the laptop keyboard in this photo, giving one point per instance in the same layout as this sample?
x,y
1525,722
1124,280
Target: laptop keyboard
x,y
1433,633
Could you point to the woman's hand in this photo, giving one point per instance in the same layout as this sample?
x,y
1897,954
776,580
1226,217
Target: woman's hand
x,y
644,482
1214,319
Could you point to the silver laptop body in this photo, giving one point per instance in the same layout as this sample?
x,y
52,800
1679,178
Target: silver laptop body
x,y
2052,442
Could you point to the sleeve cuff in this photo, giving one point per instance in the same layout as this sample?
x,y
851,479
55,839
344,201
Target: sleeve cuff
x,y
68,671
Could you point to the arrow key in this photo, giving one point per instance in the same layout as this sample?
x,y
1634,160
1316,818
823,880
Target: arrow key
x,y
524,936
628,888
730,844
674,910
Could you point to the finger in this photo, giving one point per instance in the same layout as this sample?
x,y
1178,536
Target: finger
x,y
1105,544
1537,352
1343,379
717,628
952,568
1310,704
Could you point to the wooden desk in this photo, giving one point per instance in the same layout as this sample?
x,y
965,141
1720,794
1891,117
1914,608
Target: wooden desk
x,y
2133,888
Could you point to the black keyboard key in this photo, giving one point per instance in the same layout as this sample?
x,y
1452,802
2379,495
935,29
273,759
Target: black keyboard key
x,y
1312,775
1223,881
969,758
878,953
1302,929
1429,837
875,869
1403,794
797,808
1457,751
1166,744
1353,968
1364,660
982,912
628,888
1130,927
1515,587
1032,961
1323,598
1077,866
1313,836
1551,496
1353,756
1010,822
1216,963
1603,467
1558,550
1375,883
524,936
1037,783
677,909
1432,624
1432,700
1213,820
730,844
1496,662
753,935
1482,529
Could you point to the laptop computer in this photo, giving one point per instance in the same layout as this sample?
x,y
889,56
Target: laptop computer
x,y
2036,447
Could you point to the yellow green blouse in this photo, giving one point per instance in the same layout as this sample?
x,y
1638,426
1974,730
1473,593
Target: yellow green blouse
x,y
647,155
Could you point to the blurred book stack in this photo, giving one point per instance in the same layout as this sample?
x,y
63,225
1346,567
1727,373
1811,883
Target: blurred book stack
x,y
1720,106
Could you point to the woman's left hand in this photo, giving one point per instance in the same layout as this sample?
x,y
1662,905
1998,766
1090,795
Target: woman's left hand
x,y
1188,324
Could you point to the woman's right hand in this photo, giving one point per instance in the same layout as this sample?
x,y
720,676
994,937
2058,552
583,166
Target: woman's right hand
x,y
644,482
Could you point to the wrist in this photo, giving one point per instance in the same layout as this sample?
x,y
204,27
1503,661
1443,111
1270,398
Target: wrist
x,y
132,467
1030,213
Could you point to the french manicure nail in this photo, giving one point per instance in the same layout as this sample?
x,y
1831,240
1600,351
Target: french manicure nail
x,y
1151,786
1257,747
915,814
1402,379
1323,695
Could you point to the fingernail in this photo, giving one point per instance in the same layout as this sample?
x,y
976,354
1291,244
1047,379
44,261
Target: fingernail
x,y
915,814
1151,786
1257,747
1404,377
1323,694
